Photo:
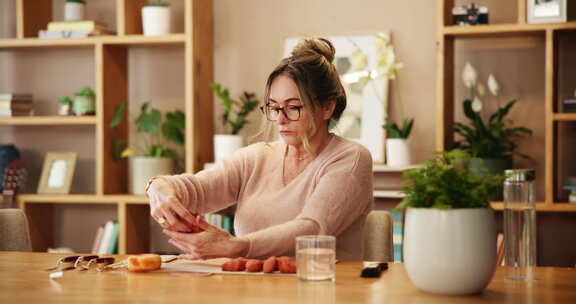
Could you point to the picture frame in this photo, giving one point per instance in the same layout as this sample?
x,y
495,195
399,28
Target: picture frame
x,y
57,173
367,105
550,11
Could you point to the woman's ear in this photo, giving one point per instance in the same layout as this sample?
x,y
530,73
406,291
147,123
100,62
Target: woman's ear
x,y
328,109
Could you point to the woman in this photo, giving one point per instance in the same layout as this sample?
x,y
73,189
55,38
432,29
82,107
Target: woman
x,y
309,182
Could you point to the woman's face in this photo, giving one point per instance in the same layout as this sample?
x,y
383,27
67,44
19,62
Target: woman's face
x,y
284,95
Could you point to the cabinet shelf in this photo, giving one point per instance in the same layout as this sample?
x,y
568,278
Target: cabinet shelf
x,y
91,41
565,117
506,29
542,207
82,199
47,120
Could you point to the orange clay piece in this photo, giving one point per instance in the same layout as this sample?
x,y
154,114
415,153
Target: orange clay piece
x,y
144,262
237,264
270,265
286,265
254,265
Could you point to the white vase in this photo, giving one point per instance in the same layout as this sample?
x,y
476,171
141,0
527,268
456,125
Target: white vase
x,y
398,152
142,168
225,145
450,252
156,20
73,11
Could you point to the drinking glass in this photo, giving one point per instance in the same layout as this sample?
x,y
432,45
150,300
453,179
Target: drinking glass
x,y
315,257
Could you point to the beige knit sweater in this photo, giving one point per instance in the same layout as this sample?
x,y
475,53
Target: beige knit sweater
x,y
331,196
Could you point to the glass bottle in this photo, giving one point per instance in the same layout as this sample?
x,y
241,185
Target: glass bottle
x,y
519,224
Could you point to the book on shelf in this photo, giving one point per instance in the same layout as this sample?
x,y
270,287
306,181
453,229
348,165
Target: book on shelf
x,y
7,105
75,26
219,220
397,234
44,34
113,245
15,96
109,242
11,113
97,239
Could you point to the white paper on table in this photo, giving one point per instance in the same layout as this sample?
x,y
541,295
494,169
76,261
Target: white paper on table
x,y
210,266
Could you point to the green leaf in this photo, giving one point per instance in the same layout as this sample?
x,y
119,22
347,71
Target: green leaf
x,y
65,100
86,91
118,147
118,113
148,121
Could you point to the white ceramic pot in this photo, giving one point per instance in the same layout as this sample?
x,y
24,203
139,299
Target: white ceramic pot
x,y
73,11
398,152
156,20
225,145
142,168
450,252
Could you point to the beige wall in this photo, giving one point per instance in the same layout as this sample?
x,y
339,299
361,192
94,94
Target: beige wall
x,y
249,40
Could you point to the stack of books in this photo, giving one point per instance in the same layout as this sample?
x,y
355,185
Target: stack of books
x,y
397,234
106,240
15,104
73,29
219,220
570,105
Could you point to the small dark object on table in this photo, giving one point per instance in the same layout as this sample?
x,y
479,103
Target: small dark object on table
x,y
373,269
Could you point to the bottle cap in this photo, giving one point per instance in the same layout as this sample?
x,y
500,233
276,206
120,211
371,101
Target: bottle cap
x,y
520,175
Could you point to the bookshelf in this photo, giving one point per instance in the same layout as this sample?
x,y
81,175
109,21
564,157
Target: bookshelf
x,y
559,127
111,55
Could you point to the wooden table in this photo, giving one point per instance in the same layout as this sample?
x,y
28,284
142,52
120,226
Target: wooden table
x,y
23,281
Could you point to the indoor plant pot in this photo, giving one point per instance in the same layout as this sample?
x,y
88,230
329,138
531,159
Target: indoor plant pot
x,y
83,105
398,152
143,168
74,10
450,251
156,20
226,144
450,231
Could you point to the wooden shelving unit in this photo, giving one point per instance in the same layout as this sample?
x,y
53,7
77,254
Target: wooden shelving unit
x,y
448,35
48,120
111,58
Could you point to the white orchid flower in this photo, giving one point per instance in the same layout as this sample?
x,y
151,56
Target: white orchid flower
x,y
469,76
493,85
382,40
477,104
481,89
358,60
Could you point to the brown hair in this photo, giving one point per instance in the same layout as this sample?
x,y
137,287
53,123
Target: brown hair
x,y
310,67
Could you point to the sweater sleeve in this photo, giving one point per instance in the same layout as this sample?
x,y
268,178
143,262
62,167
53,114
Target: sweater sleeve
x,y
343,194
215,188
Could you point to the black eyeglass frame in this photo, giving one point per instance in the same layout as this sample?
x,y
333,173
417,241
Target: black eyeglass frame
x,y
281,109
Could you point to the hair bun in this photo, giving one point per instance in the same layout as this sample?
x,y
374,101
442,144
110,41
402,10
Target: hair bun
x,y
315,46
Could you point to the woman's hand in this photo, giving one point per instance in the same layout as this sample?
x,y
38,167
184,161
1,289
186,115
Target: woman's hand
x,y
213,242
166,207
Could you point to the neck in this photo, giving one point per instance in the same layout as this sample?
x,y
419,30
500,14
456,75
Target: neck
x,y
317,144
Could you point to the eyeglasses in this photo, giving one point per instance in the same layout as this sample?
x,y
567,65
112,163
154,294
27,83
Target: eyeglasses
x,y
82,262
273,112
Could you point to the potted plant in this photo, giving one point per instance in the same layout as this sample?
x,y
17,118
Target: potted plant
x,y
65,106
233,118
74,10
83,104
156,18
491,142
398,151
449,229
157,156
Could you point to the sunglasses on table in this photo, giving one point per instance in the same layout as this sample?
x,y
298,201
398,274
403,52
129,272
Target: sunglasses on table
x,y
82,262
